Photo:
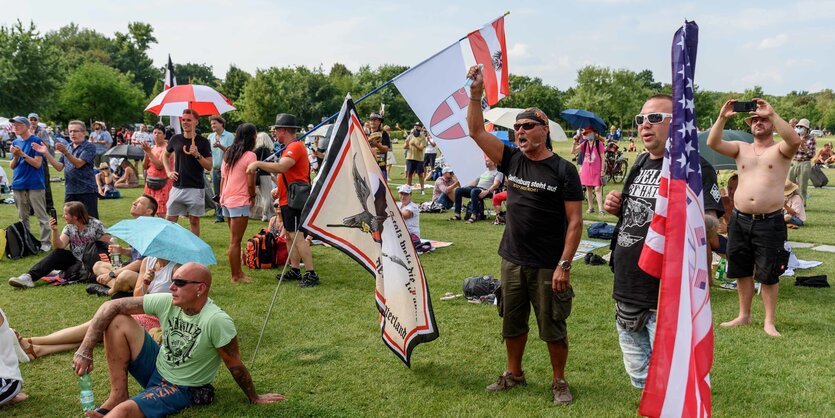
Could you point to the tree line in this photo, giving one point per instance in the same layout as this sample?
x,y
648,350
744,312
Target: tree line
x,y
79,73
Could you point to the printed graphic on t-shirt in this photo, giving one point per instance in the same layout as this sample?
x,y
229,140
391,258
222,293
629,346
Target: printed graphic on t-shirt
x,y
639,207
180,340
529,185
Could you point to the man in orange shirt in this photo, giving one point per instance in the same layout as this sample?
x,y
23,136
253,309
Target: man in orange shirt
x,y
293,165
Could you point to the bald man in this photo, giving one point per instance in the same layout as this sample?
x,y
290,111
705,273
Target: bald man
x,y
176,375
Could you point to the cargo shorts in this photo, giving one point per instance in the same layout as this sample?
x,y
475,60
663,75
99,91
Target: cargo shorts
x,y
523,287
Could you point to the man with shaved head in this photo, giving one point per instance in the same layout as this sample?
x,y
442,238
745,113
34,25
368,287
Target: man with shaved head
x,y
196,336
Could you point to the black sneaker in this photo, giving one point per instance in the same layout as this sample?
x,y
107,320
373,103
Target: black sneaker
x,y
98,290
309,280
289,275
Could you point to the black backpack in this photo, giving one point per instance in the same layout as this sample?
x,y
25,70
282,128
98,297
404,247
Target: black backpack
x,y
82,271
20,242
478,286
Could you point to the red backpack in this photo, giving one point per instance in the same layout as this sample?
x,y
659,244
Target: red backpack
x,y
265,251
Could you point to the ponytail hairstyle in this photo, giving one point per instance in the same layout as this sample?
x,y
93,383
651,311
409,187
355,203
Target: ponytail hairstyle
x,y
244,141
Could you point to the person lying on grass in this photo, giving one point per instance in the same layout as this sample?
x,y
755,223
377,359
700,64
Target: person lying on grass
x,y
156,274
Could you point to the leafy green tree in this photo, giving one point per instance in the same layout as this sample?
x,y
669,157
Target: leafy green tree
x,y
130,56
29,71
80,45
299,91
95,91
190,73
234,82
532,92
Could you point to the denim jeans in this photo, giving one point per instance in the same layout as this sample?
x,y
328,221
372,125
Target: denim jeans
x,y
443,199
472,192
637,349
216,187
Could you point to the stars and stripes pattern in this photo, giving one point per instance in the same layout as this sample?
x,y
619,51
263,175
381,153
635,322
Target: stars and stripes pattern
x,y
675,250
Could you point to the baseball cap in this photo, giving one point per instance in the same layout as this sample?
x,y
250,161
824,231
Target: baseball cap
x,y
34,115
405,189
19,119
446,170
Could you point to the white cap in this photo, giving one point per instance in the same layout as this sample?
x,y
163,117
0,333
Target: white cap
x,y
446,169
405,189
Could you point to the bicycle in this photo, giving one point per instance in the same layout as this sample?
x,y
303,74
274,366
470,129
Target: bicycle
x,y
616,166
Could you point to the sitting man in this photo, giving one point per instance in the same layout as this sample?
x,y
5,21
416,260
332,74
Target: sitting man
x,y
123,279
176,375
443,194
478,189
825,155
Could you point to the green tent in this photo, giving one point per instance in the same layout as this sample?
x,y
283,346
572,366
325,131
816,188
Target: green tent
x,y
719,161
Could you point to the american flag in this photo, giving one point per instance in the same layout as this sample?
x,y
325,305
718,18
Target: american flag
x,y
675,250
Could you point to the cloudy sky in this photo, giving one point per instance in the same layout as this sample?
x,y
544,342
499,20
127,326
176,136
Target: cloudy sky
x,y
779,45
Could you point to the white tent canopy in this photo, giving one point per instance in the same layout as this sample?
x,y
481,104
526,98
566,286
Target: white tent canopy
x,y
506,117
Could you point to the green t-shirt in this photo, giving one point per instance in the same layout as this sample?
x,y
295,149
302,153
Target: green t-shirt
x,y
413,153
188,355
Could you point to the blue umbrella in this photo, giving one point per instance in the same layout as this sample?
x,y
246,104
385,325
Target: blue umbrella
x,y
579,119
158,237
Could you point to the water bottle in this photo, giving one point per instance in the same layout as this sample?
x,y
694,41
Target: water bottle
x,y
86,394
115,259
720,270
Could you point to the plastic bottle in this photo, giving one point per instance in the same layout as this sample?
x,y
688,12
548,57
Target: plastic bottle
x,y
86,393
115,259
720,270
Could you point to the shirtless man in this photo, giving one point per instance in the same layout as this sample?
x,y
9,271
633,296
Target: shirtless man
x,y
757,232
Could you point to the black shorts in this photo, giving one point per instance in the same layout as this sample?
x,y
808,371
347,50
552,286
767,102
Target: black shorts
x,y
429,159
413,166
292,218
757,242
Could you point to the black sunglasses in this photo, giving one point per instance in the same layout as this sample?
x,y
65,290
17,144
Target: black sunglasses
x,y
183,282
653,118
527,125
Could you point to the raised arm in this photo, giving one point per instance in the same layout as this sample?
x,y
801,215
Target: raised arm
x,y
488,143
231,355
714,138
791,141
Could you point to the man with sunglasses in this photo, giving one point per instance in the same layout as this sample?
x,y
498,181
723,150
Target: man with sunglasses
x,y
543,229
757,232
196,336
636,292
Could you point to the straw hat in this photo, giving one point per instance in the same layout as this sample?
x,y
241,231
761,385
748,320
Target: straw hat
x,y
789,188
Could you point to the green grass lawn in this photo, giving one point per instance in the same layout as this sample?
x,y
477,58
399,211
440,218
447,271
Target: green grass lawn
x,y
322,348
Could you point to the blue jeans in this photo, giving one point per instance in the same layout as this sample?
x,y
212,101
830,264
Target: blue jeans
x,y
443,199
216,187
795,221
637,350
472,192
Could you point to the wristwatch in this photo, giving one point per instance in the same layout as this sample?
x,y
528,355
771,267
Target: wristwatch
x,y
564,264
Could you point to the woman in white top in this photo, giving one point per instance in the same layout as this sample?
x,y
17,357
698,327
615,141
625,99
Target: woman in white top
x,y
10,379
155,275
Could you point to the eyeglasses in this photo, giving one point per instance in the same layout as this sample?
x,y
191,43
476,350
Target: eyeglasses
x,y
527,126
653,118
183,282
74,131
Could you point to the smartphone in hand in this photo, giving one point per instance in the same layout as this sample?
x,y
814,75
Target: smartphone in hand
x,y
745,106
53,214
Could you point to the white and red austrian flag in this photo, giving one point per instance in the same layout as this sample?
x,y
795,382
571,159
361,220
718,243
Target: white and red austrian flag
x,y
489,48
435,91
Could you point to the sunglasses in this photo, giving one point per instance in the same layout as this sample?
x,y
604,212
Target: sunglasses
x,y
653,118
183,282
526,126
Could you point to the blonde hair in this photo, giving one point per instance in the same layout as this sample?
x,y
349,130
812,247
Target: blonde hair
x,y
263,140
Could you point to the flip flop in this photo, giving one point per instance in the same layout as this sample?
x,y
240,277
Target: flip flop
x,y
29,350
455,218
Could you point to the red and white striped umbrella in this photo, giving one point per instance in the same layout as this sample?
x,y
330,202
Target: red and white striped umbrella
x,y
205,100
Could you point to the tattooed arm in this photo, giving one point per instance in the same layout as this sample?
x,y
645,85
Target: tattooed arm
x,y
231,355
83,359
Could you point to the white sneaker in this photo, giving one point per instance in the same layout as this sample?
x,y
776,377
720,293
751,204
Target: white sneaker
x,y
46,247
22,281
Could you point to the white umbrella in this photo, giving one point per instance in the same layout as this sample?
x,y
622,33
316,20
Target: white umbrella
x,y
205,100
321,131
506,117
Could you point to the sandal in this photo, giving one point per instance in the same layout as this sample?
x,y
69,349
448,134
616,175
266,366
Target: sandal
x,y
471,220
29,349
455,218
